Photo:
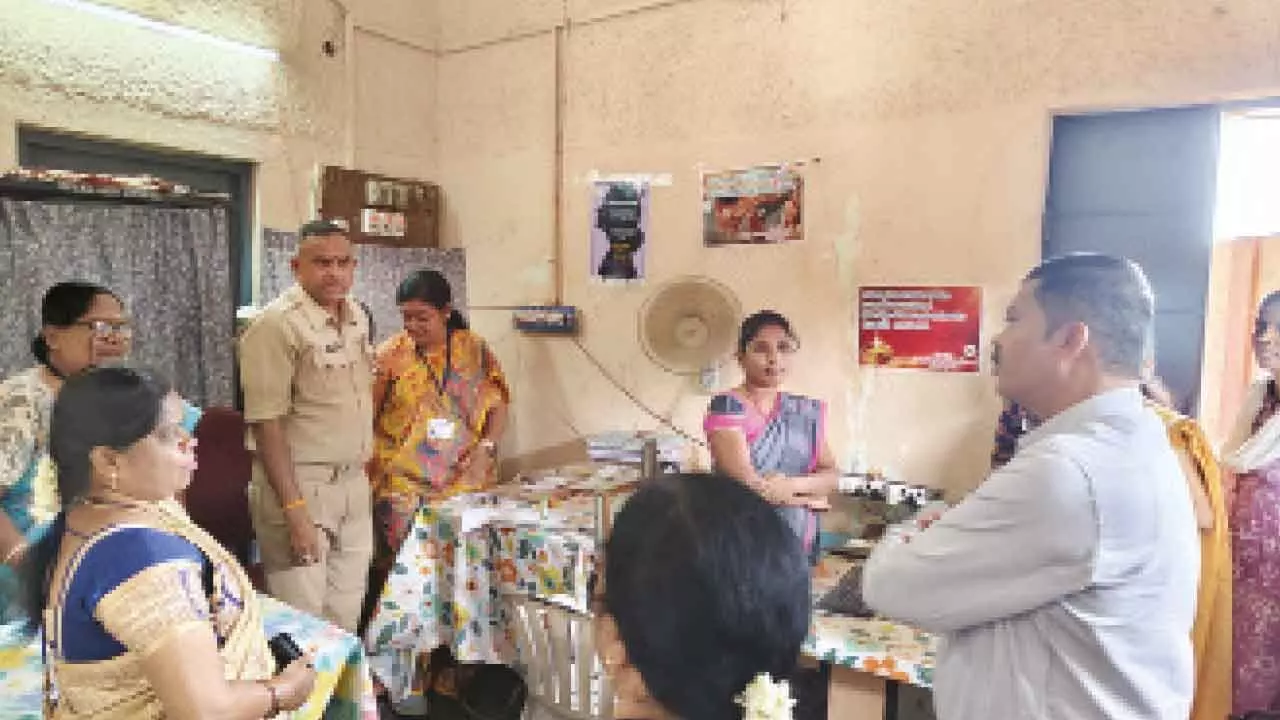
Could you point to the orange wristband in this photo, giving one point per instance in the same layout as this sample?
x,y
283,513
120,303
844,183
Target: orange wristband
x,y
294,505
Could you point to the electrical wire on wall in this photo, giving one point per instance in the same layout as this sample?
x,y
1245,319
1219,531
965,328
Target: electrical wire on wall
x,y
604,372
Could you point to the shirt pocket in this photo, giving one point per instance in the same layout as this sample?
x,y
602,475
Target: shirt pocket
x,y
324,366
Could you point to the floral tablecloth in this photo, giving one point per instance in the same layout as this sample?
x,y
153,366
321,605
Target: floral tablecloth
x,y
343,688
882,648
446,585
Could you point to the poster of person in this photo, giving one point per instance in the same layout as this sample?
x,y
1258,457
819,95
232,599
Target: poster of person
x,y
759,206
619,224
937,328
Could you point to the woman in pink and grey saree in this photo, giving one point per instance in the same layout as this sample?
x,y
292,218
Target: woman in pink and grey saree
x,y
773,441
1253,455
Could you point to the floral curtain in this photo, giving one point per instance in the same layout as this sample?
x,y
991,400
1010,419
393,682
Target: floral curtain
x,y
169,264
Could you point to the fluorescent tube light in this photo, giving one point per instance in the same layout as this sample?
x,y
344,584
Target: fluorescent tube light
x,y
136,20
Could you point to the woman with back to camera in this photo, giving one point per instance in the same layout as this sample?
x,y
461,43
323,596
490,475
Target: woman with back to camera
x,y
144,615
703,605
773,441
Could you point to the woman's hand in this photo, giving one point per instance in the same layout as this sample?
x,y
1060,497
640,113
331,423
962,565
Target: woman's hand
x,y
785,491
294,684
474,467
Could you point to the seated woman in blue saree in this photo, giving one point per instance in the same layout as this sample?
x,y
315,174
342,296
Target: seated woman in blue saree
x,y
144,614
773,441
83,325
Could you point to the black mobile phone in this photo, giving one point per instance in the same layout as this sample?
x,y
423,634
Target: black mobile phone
x,y
284,649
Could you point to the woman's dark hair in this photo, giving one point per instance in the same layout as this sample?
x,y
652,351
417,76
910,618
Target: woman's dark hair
x,y
64,305
1271,301
756,322
709,587
432,288
109,407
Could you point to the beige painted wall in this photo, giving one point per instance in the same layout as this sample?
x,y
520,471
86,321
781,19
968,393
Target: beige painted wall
x,y
931,119
369,106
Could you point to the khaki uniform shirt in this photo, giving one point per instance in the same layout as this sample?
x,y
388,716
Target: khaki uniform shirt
x,y
297,364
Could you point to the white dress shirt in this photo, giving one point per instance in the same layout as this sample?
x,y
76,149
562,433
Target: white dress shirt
x,y
1064,587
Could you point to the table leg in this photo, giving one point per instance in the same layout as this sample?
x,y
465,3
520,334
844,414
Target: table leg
x,y
855,695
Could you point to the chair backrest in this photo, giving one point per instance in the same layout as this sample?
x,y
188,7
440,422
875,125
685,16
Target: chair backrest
x,y
562,667
218,499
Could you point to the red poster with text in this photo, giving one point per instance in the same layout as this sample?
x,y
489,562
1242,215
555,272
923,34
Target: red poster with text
x,y
936,328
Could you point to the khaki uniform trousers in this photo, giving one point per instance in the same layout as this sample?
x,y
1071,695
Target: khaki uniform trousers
x,y
338,501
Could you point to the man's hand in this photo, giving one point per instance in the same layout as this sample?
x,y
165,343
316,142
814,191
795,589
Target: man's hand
x,y
304,537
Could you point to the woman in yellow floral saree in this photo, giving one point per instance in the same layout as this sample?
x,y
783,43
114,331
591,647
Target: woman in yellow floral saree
x,y
1211,633
440,406
144,614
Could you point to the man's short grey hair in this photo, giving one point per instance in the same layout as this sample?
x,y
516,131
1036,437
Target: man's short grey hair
x,y
1109,295
319,228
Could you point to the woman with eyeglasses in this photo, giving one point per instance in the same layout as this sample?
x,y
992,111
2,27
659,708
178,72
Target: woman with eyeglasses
x,y
83,325
773,441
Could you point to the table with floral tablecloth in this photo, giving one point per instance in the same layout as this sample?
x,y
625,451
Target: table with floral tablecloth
x,y
343,691
461,556
879,647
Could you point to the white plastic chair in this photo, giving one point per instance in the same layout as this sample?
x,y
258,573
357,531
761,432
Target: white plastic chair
x,y
562,668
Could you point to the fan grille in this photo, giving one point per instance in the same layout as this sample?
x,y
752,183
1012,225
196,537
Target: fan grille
x,y
689,324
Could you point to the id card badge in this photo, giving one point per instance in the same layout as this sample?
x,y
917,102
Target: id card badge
x,y
440,429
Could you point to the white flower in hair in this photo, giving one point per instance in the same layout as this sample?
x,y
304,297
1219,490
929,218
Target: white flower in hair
x,y
766,699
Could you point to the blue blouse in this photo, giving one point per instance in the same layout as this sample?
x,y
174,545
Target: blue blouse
x,y
107,564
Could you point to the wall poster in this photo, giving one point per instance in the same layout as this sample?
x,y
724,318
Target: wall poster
x,y
758,206
619,226
937,328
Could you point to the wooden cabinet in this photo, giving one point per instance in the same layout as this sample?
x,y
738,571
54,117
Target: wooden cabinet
x,y
382,210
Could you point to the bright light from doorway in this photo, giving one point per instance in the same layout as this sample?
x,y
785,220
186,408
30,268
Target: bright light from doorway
x,y
128,18
1248,202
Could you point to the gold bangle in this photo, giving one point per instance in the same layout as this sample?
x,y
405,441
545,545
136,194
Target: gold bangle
x,y
15,552
274,709
294,504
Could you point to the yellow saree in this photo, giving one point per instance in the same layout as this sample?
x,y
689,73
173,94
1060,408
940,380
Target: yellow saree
x,y
144,612
1211,634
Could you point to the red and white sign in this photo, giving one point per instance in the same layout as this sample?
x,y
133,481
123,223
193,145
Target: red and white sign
x,y
936,328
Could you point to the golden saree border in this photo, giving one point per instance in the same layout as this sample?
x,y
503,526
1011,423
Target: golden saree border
x,y
117,688
1211,634
165,596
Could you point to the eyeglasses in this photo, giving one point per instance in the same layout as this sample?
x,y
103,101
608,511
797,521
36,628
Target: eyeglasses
x,y
782,348
107,328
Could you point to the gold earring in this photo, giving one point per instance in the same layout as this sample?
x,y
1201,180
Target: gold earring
x,y
113,479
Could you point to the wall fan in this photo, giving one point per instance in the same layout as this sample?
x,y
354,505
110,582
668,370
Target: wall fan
x,y
689,326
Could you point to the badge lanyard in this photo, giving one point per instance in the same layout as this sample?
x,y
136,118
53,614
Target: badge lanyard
x,y
442,381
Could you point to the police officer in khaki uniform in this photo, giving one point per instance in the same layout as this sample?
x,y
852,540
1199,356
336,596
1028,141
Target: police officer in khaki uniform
x,y
306,368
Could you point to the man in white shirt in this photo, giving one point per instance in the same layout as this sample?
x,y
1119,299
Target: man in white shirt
x,y
1064,587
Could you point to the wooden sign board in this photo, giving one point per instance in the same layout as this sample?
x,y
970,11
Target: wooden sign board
x,y
381,210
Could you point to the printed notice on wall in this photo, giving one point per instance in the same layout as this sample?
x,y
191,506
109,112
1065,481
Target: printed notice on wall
x,y
619,223
758,206
936,328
